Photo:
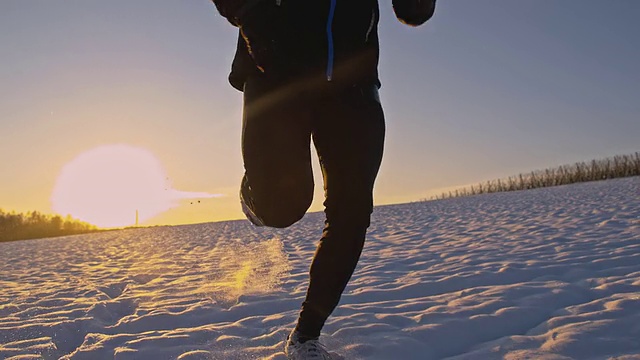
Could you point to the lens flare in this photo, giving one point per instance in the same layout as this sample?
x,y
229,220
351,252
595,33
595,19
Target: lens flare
x,y
109,185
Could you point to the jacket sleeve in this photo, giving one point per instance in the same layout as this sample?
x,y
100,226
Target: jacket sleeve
x,y
235,10
414,12
229,9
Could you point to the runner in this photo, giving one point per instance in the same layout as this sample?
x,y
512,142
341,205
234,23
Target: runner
x,y
309,70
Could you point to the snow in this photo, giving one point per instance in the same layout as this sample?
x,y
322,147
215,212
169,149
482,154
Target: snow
x,y
542,274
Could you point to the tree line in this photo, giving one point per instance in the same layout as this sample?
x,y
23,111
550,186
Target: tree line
x,y
36,225
601,169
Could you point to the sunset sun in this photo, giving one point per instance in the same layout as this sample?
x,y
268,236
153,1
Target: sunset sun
x,y
107,185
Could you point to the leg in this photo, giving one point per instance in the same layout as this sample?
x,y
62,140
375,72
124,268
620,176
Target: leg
x,y
277,187
349,139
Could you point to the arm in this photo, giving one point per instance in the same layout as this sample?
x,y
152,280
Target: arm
x,y
234,10
257,21
228,9
414,12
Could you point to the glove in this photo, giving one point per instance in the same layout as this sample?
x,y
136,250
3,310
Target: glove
x,y
414,12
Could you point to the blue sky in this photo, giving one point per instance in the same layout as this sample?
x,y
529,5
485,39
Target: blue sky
x,y
483,90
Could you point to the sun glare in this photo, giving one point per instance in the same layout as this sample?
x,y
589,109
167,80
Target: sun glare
x,y
107,185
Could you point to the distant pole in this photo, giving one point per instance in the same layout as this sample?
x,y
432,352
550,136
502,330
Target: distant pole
x,y
136,217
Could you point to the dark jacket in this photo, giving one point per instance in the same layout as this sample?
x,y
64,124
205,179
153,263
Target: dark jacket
x,y
332,40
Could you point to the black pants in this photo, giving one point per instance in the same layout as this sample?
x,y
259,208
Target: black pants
x,y
347,126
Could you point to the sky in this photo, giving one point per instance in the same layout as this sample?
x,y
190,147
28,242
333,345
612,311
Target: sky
x,y
484,90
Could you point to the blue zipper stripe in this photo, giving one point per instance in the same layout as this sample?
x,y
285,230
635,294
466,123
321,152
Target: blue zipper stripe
x,y
330,54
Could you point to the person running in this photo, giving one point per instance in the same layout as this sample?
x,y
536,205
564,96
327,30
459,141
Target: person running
x,y
309,70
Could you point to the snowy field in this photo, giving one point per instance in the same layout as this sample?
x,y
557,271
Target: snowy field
x,y
543,274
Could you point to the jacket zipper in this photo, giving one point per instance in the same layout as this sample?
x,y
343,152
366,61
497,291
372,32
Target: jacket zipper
x,y
330,49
